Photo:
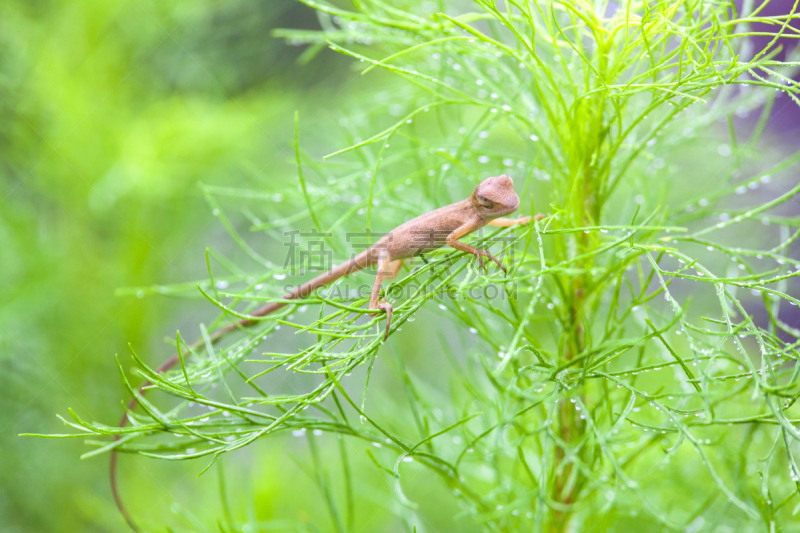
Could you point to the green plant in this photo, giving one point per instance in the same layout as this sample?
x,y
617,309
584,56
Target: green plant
x,y
638,369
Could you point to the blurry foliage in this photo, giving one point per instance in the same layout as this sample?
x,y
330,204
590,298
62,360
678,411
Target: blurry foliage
x,y
640,371
110,113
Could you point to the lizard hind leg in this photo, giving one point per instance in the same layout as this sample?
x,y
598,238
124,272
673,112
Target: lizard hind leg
x,y
393,268
386,268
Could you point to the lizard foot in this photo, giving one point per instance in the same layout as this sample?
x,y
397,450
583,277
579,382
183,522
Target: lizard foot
x,y
387,307
480,254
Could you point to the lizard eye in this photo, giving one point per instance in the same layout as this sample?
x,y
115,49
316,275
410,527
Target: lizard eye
x,y
485,202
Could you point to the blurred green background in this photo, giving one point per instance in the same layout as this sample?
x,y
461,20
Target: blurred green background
x,y
111,113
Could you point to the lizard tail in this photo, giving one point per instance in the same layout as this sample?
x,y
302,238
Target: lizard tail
x,y
359,262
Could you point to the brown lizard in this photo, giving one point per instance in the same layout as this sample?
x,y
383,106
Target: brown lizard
x,y
491,199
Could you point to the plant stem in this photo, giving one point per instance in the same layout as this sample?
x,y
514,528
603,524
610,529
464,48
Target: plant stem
x,y
588,150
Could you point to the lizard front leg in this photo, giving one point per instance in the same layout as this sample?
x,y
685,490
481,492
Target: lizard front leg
x,y
452,240
508,222
384,266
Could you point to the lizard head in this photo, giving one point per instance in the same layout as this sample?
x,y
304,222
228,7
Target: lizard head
x,y
495,197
